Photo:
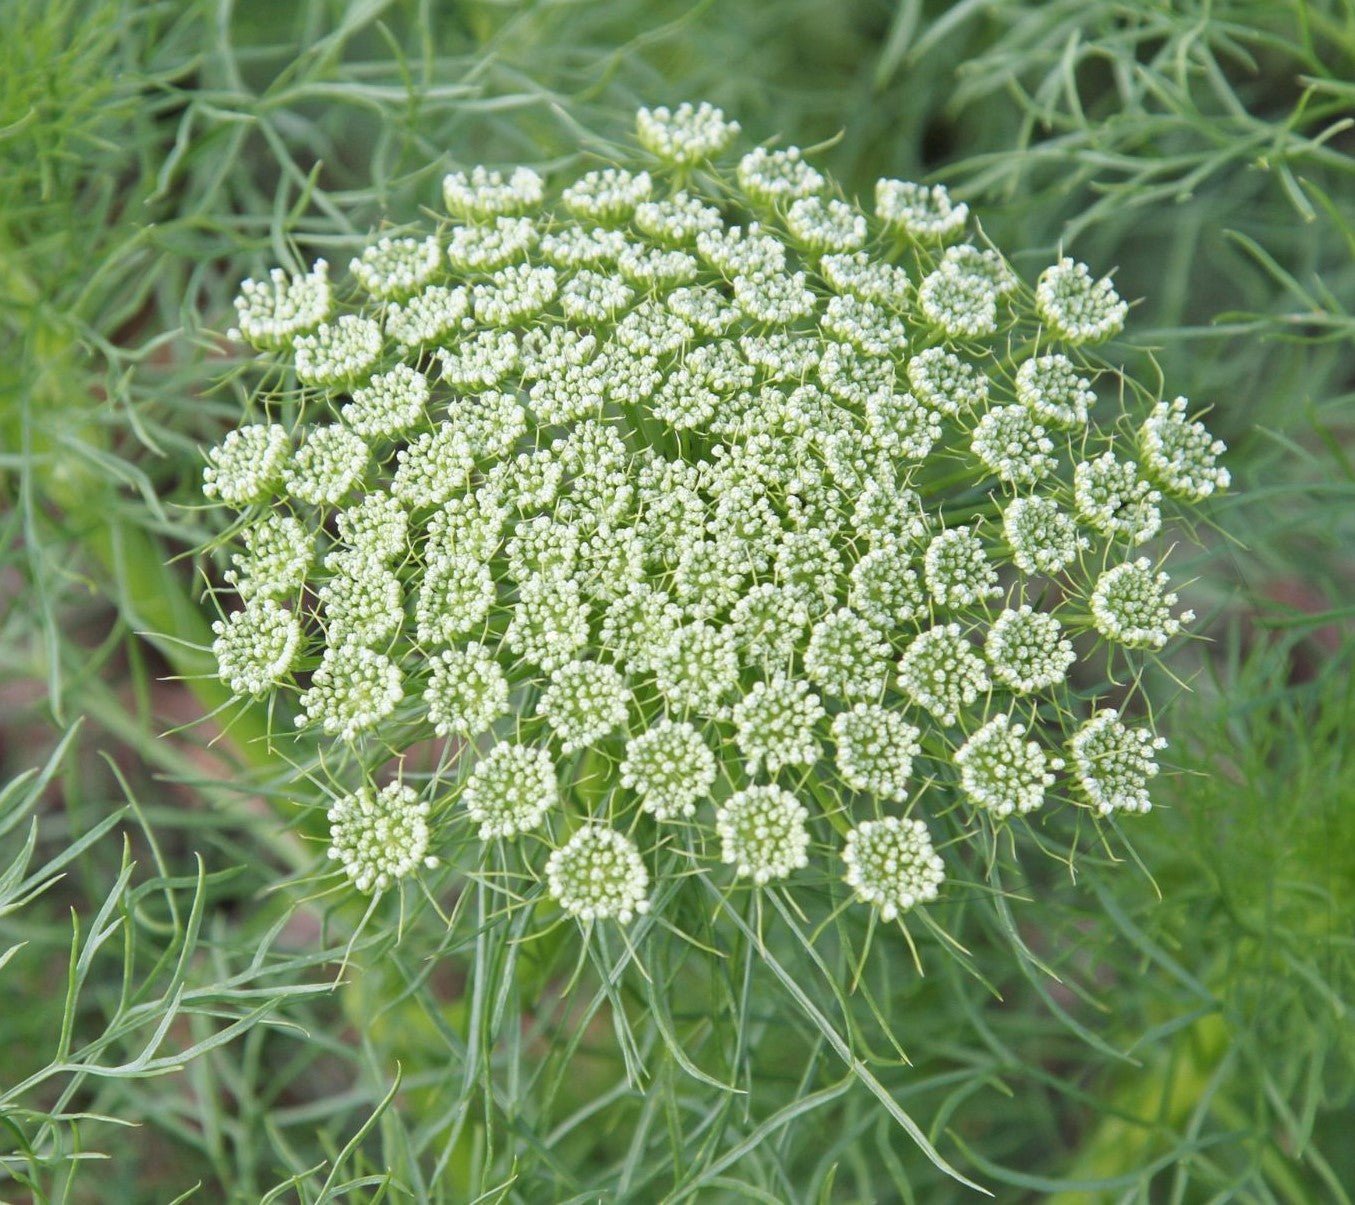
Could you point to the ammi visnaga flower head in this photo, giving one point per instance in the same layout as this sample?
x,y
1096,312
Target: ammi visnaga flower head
x,y
717,524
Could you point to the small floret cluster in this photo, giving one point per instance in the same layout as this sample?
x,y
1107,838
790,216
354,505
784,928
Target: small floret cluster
x,y
379,837
715,522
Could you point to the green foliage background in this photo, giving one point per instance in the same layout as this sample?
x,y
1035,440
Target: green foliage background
x,y
1178,1030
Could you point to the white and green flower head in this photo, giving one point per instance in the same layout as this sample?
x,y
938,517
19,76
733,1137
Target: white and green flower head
x,y
379,837
716,525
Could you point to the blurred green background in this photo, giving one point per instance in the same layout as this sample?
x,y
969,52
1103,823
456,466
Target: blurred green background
x,y
1196,1044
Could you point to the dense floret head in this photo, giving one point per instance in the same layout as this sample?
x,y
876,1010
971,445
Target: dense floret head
x,y
326,466
875,750
247,464
1078,307
510,790
774,724
846,656
583,702
341,352
1042,537
276,556
686,134
394,268
957,570
1001,771
919,211
778,177
1013,446
959,305
892,865
271,312
1027,650
483,194
598,874
467,690
256,646
1113,762
351,692
941,672
379,837
762,833
1055,390
946,382
1131,605
699,514
1180,453
670,767
1112,499
362,602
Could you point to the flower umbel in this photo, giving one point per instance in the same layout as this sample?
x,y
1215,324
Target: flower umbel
x,y
379,838
762,833
1001,771
599,875
1113,763
892,865
701,515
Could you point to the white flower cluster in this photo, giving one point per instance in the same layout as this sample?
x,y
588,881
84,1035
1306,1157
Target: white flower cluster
x,y
483,195
1043,539
1131,605
338,353
1003,772
1113,763
351,692
687,134
1054,389
670,768
1079,308
397,267
275,560
772,177
491,245
326,466
598,874
961,305
826,224
608,195
584,701
428,316
875,750
846,656
272,312
919,211
256,646
380,837
1181,454
762,833
1112,499
467,691
362,602
390,403
706,516
949,385
775,724
1028,651
247,465
1013,445
510,790
941,672
957,569
891,864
